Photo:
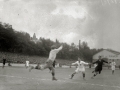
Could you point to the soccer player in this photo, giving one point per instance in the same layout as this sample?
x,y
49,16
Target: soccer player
x,y
80,68
98,68
4,61
113,64
27,64
50,60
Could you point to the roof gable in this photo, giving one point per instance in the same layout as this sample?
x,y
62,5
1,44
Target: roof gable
x,y
110,51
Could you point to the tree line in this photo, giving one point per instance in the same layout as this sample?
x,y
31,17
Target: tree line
x,y
20,42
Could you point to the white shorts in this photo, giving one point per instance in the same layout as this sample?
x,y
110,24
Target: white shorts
x,y
113,67
27,64
80,70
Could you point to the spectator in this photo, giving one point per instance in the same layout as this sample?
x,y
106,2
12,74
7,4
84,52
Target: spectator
x,y
4,61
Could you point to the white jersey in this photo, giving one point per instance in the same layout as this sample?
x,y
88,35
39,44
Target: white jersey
x,y
81,65
113,65
27,63
53,53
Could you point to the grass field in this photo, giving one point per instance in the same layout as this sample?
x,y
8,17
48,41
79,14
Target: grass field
x,y
18,78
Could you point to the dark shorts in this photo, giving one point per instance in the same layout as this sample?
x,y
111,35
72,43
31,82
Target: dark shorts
x,y
37,67
3,63
49,64
97,69
54,64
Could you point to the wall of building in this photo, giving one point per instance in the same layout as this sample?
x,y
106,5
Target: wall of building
x,y
105,54
108,55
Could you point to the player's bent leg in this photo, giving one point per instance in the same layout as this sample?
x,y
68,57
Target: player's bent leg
x,y
53,64
50,70
53,73
31,68
112,71
73,75
76,71
3,65
39,67
94,75
93,71
45,66
83,72
100,71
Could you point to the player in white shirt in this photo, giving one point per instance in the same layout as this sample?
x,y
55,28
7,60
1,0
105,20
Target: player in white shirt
x,y
49,62
80,68
113,64
27,64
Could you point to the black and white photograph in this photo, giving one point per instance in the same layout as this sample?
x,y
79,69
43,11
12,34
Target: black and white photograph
x,y
59,44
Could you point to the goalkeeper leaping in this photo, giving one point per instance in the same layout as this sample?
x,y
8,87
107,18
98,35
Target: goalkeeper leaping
x,y
49,62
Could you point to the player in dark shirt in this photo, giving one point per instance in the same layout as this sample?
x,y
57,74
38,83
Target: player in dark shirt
x,y
98,68
4,61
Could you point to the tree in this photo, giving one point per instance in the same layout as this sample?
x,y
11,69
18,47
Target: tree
x,y
20,42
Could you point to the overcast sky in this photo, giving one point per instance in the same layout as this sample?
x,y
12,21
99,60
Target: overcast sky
x,y
94,21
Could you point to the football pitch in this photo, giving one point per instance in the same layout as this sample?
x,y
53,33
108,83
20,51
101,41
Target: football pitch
x,y
19,78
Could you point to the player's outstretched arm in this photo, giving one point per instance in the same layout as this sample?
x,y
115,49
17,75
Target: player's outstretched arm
x,y
57,50
105,61
95,62
85,63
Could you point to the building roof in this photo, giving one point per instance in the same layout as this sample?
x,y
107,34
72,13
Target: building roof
x,y
35,39
109,50
112,51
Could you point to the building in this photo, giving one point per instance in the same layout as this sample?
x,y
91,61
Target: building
x,y
109,55
34,39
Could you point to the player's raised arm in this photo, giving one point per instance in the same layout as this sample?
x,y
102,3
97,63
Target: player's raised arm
x,y
57,50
